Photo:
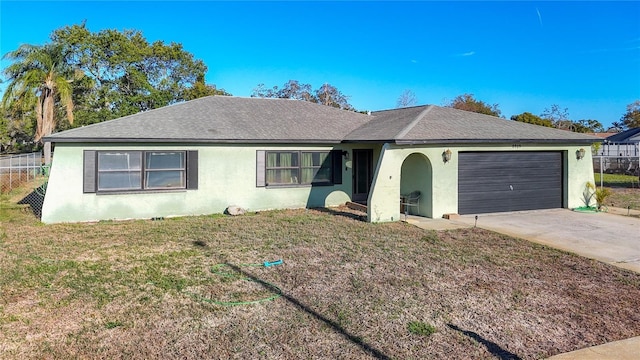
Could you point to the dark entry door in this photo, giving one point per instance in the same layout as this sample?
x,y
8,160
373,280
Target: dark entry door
x,y
362,174
509,181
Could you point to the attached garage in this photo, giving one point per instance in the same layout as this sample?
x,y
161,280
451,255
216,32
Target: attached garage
x,y
509,181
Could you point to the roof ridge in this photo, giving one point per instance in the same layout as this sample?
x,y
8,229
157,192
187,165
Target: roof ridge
x,y
413,123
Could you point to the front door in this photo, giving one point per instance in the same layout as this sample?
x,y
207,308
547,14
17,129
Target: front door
x,y
362,174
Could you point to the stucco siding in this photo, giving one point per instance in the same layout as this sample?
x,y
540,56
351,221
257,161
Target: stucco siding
x,y
226,176
443,193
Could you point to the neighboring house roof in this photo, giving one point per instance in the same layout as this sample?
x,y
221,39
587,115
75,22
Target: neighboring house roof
x,y
631,135
257,120
602,135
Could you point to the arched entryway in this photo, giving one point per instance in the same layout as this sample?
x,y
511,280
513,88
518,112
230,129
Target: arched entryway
x,y
416,175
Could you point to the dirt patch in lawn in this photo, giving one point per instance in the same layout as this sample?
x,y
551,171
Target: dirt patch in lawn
x,y
624,197
350,290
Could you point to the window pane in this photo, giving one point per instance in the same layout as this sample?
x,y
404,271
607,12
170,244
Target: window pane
x,y
164,160
119,180
316,167
164,179
119,161
323,175
282,176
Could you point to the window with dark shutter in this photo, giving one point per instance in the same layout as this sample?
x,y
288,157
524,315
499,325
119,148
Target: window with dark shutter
x,y
296,168
117,171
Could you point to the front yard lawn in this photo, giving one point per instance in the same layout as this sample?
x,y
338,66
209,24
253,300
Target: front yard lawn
x,y
625,190
350,290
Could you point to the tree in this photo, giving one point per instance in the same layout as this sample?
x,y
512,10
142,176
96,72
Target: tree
x,y
200,89
616,126
559,117
468,103
39,78
588,126
327,94
290,90
631,119
128,74
529,118
330,96
406,99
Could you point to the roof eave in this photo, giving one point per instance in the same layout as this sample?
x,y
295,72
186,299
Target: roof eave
x,y
189,140
494,141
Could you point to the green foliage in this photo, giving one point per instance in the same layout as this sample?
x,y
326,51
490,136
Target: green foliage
x,y
587,126
421,328
617,180
469,103
601,195
595,147
128,74
100,75
557,117
529,118
588,193
631,119
39,85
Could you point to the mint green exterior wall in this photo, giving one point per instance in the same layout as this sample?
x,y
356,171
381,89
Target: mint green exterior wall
x,y
226,176
438,180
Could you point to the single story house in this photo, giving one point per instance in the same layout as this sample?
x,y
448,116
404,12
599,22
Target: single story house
x,y
201,156
626,143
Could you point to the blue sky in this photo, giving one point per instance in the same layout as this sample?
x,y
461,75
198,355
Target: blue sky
x,y
523,56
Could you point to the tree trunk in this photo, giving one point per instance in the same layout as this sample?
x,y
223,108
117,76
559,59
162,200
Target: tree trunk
x,y
47,153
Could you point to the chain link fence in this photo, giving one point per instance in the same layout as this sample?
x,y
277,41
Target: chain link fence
x,y
618,165
18,170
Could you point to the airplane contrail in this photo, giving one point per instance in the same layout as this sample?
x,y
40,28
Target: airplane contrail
x,y
539,16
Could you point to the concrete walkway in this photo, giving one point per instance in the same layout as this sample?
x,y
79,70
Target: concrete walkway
x,y
613,238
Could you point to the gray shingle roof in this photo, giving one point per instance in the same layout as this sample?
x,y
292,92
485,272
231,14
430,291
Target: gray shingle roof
x,y
219,119
624,136
434,124
225,119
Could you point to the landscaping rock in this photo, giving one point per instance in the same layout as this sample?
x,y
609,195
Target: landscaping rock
x,y
235,210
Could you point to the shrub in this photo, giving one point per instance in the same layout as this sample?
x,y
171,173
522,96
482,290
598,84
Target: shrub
x,y
601,195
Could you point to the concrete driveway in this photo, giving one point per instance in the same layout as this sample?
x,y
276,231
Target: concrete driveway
x,y
609,238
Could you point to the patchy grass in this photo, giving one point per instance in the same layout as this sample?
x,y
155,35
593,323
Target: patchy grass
x,y
624,198
617,180
625,190
350,289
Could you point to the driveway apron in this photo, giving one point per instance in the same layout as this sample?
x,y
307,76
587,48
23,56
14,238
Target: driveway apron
x,y
609,238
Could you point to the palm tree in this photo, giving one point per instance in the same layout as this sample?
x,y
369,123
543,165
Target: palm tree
x,y
38,83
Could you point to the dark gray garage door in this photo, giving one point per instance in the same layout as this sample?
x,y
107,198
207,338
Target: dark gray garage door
x,y
509,181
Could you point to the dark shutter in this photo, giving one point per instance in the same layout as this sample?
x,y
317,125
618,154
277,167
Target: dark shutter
x,y
260,168
337,166
192,169
89,168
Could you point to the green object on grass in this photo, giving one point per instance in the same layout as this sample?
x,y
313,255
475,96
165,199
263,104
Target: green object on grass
x,y
216,270
588,209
